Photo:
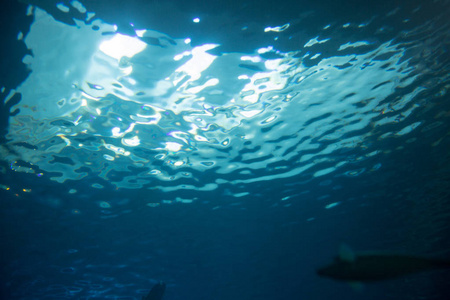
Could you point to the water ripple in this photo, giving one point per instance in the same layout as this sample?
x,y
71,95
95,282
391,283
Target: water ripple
x,y
148,116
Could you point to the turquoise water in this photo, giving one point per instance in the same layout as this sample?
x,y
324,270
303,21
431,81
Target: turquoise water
x,y
226,149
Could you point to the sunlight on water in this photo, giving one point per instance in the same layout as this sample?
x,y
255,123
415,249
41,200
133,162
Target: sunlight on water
x,y
140,111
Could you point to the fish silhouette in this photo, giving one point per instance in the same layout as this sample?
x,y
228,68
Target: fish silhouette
x,y
157,292
367,267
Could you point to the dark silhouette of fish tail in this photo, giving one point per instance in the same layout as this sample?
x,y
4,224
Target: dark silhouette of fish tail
x,y
157,292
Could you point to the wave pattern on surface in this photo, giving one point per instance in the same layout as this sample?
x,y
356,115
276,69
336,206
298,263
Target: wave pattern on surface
x,y
151,111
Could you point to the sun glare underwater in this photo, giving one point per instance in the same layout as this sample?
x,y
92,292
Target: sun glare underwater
x,y
279,118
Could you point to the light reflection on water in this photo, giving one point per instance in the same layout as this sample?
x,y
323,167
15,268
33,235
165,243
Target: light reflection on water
x,y
142,111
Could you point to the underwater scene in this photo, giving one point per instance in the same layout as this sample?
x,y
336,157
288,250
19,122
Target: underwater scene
x,y
225,150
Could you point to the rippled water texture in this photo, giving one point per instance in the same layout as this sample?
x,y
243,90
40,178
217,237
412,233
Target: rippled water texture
x,y
153,111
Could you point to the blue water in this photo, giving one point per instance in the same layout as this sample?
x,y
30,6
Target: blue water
x,y
225,148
